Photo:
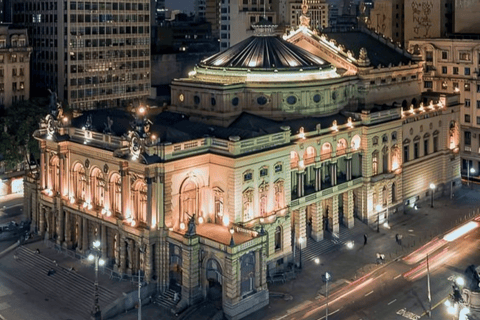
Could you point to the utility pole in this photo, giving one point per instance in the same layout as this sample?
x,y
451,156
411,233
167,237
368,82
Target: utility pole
x,y
429,293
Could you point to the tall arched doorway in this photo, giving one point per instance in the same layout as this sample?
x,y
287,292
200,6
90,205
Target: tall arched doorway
x,y
175,268
214,278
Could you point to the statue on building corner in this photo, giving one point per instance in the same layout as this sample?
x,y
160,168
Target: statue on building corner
x,y
305,17
191,230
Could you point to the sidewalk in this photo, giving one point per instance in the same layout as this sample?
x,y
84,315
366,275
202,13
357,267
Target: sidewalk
x,y
416,226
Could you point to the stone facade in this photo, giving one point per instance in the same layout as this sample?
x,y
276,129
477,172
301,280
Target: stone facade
x,y
200,208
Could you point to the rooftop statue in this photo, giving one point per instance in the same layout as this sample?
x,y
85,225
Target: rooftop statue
x,y
305,17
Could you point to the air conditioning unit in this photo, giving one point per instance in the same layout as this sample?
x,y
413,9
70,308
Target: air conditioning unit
x,y
468,148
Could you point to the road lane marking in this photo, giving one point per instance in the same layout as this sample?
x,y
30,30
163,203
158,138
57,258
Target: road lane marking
x,y
407,314
369,293
397,277
439,303
329,314
391,302
2,317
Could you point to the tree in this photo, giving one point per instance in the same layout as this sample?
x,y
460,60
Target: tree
x,y
18,124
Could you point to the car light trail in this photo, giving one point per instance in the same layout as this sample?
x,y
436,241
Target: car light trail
x,y
435,261
455,234
422,252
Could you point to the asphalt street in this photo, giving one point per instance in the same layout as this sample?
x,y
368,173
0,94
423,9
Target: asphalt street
x,y
399,290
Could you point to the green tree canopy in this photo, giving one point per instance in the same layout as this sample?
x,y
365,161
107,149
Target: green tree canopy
x,y
18,124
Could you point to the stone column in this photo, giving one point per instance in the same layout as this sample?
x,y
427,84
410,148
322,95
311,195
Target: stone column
x,y
318,178
60,227
300,184
61,161
349,169
68,231
130,256
191,290
41,223
125,189
43,173
333,216
333,173
123,255
84,235
148,219
48,222
104,243
348,219
147,262
300,227
317,221
257,269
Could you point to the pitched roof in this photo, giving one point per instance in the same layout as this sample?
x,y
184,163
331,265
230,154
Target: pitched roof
x,y
378,51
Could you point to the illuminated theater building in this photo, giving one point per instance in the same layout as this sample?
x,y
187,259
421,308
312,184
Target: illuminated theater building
x,y
262,139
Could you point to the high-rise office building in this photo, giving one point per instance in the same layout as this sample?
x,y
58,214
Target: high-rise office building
x,y
95,54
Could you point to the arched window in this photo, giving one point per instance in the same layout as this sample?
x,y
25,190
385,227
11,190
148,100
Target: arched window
x,y
116,193
79,181
394,193
326,150
375,163
213,271
54,173
278,238
385,196
341,146
385,160
247,270
355,144
139,201
279,195
218,193
248,205
309,155
188,200
97,185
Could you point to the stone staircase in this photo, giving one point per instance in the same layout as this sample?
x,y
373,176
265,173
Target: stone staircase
x,y
65,287
166,299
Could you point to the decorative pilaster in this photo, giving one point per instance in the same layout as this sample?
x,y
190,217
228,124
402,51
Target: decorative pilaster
x,y
60,227
84,235
301,227
129,256
125,189
317,220
348,219
191,290
333,219
41,223
43,173
104,242
147,262
68,231
149,202
123,255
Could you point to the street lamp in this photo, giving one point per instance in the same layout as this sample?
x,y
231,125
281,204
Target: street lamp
x,y
470,170
432,187
95,255
327,277
300,241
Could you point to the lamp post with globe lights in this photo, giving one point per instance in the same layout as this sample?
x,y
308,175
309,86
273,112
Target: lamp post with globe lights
x,y
95,255
432,188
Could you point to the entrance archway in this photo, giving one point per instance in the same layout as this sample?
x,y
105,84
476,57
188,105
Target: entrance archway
x,y
175,272
214,277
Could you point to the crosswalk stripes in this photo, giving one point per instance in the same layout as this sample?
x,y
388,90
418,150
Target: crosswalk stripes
x,y
64,286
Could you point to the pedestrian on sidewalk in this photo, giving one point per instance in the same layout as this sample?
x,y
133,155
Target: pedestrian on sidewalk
x,y
365,239
398,239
